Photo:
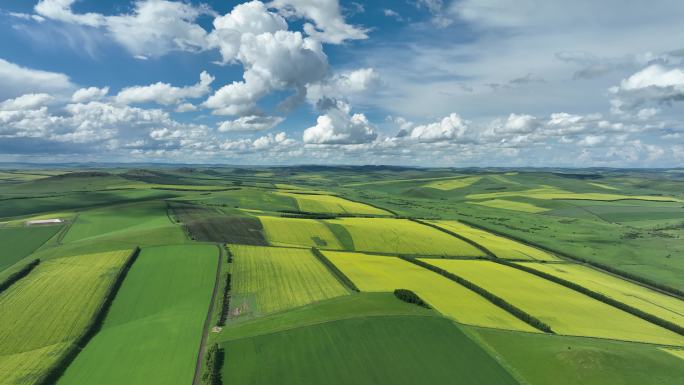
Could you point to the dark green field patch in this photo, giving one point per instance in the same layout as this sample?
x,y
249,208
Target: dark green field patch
x,y
363,351
18,242
211,225
342,235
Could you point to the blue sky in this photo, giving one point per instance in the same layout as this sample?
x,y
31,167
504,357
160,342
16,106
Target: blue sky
x,y
412,82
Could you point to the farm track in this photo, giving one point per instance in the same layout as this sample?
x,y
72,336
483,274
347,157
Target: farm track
x,y
207,321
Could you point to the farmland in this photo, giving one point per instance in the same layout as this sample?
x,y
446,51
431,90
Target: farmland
x,y
151,333
378,273
500,246
262,275
566,311
296,232
46,311
400,236
279,278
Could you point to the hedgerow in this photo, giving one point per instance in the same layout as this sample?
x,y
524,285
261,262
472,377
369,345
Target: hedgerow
x,y
493,298
410,297
336,272
225,305
4,285
214,362
598,296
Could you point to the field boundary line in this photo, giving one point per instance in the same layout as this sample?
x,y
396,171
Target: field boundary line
x,y
18,275
484,293
453,234
645,282
337,273
290,328
55,371
598,296
208,319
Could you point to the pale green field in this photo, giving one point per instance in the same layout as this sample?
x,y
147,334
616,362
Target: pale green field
x,y
48,309
401,236
452,184
500,246
556,193
313,203
280,278
650,301
566,311
296,232
380,274
511,205
603,186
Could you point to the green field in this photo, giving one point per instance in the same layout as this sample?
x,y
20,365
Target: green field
x,y
511,205
652,302
391,350
152,332
210,224
269,279
556,193
18,242
500,246
46,311
296,232
138,224
379,273
452,184
401,236
560,360
566,311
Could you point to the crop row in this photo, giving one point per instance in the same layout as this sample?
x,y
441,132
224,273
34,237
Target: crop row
x,y
493,298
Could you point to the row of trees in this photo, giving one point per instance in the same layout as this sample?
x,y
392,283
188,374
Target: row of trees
x,y
55,371
14,277
410,297
225,305
214,363
491,297
598,296
336,272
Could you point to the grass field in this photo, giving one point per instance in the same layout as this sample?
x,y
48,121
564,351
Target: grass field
x,y
314,203
269,279
48,309
152,332
18,242
650,301
299,233
401,236
363,351
511,205
143,224
559,360
379,273
500,246
452,184
566,311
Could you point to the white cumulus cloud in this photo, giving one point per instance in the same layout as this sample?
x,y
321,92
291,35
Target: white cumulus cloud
x,y
165,93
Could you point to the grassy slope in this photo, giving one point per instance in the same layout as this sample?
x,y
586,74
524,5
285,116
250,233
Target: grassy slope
x,y
18,242
560,360
391,350
45,311
143,224
279,278
152,332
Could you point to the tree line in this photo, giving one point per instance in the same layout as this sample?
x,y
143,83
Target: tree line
x,y
14,277
336,272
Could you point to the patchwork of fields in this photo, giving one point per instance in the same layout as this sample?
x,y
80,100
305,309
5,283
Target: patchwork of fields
x,y
271,275
44,313
152,332
565,310
379,273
